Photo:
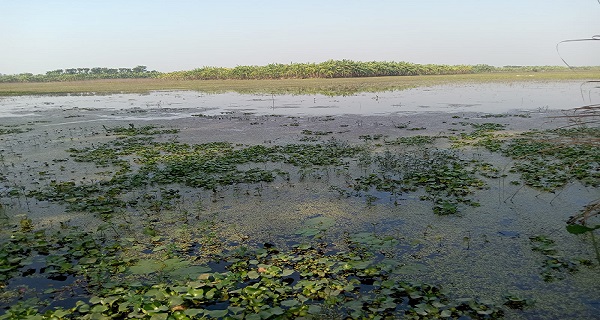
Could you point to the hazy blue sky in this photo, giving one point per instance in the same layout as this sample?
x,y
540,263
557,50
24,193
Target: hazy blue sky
x,y
41,35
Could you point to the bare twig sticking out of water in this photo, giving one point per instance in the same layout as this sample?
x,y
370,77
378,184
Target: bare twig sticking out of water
x,y
582,116
589,91
593,38
590,210
514,194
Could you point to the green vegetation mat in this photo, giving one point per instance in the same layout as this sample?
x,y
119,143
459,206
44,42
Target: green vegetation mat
x,y
197,273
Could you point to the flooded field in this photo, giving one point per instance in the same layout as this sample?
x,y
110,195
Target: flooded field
x,y
447,201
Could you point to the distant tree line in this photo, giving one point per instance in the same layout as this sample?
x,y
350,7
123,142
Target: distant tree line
x,y
78,74
327,69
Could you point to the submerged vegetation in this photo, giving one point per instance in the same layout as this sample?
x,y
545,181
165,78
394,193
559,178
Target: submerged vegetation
x,y
549,159
443,176
157,252
262,284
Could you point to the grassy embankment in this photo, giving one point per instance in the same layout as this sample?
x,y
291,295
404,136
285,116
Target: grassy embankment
x,y
289,86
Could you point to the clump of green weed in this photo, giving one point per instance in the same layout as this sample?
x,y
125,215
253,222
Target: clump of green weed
x,y
554,265
418,140
144,130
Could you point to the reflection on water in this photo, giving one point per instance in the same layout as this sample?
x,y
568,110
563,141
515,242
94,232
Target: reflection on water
x,y
479,97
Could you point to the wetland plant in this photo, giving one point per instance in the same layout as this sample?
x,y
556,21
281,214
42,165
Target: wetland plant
x,y
263,283
554,265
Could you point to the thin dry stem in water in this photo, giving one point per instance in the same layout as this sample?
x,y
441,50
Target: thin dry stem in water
x,y
590,210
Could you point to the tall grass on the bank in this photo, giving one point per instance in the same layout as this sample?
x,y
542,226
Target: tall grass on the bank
x,y
346,69
327,69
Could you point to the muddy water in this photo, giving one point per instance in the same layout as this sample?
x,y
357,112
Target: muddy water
x,y
482,252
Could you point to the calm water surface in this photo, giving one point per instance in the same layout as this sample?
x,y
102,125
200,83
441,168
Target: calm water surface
x,y
479,97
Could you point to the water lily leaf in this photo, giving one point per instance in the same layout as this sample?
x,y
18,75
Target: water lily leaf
x,y
84,308
322,222
421,312
413,268
415,295
210,293
159,316
173,264
218,313
236,310
314,309
254,316
59,313
290,303
446,313
149,231
159,248
110,300
99,308
175,301
287,272
87,260
193,312
204,276
195,293
145,266
123,307
308,232
95,300
304,246
485,312
277,311
361,264
253,274
579,229
190,271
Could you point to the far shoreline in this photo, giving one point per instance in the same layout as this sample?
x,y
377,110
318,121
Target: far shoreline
x,y
335,86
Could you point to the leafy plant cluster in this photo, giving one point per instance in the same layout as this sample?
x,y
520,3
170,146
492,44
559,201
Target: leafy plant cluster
x,y
144,130
506,115
554,264
546,160
550,159
263,283
13,130
483,134
209,166
446,179
418,140
313,136
586,223
57,255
